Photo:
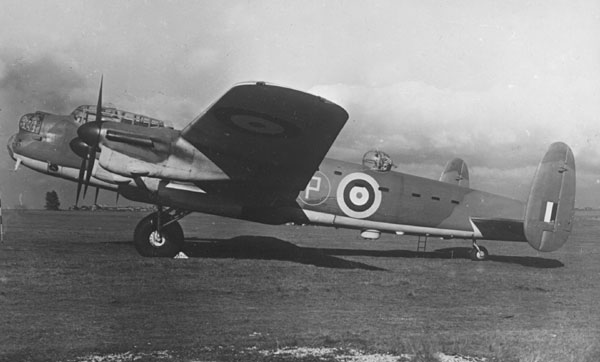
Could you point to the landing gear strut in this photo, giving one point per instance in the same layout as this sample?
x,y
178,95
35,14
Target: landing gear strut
x,y
478,253
159,234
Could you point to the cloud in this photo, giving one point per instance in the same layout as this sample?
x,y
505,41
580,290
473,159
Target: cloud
x,y
2,69
492,82
44,83
504,126
199,60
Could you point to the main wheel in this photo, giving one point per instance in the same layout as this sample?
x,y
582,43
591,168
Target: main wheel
x,y
479,255
148,242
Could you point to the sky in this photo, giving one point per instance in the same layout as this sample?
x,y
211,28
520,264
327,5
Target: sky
x,y
492,82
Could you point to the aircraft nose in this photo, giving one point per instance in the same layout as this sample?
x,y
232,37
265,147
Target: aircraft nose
x,y
10,145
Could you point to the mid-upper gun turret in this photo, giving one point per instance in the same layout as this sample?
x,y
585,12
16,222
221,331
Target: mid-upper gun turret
x,y
377,160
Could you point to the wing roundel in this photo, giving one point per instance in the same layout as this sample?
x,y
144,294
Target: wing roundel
x,y
267,136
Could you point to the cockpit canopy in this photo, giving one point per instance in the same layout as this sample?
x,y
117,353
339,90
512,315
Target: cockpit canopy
x,y
87,113
378,161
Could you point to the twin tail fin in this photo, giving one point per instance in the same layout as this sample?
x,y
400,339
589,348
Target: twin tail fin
x,y
550,207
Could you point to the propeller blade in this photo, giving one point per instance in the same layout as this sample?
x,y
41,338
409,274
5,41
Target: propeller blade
x,y
89,169
80,180
96,196
92,139
99,105
117,199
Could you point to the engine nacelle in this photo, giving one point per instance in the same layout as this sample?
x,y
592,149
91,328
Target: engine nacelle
x,y
183,163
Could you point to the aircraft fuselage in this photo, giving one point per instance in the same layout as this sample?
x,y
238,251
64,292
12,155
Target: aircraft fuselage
x,y
351,195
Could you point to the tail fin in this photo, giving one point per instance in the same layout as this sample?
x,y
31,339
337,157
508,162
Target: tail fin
x,y
549,210
456,172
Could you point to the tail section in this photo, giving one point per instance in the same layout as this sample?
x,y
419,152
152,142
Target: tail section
x,y
456,172
549,210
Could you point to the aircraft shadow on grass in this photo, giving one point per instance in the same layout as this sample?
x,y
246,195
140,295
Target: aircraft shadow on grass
x,y
270,248
452,253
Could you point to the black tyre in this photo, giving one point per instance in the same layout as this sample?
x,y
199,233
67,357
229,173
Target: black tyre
x,y
479,255
147,242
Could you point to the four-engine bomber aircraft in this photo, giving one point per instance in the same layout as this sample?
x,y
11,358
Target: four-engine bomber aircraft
x,y
257,154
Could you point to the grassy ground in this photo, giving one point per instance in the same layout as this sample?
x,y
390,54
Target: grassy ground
x,y
71,285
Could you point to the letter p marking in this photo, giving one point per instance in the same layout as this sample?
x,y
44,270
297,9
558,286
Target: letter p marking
x,y
313,185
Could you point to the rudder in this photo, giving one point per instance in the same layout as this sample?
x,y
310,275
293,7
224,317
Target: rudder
x,y
549,210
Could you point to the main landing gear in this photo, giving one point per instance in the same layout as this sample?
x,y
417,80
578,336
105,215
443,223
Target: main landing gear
x,y
159,234
478,253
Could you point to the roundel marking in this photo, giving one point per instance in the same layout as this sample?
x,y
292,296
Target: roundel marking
x,y
317,190
256,123
358,195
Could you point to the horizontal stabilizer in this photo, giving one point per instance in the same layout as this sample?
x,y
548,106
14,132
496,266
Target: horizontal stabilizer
x,y
549,211
500,229
456,172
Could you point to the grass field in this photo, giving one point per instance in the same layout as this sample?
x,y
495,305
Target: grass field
x,y
72,288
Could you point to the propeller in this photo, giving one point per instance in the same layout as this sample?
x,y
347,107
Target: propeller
x,y
79,179
96,196
81,149
86,147
90,134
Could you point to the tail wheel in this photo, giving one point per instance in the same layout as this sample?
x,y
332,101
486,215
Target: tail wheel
x,y
479,253
149,242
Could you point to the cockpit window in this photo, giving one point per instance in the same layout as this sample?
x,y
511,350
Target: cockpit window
x,y
31,122
87,113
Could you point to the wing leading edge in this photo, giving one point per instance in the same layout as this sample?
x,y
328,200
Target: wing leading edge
x,y
267,137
